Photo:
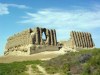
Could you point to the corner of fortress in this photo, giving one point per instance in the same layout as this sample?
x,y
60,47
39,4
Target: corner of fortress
x,y
81,40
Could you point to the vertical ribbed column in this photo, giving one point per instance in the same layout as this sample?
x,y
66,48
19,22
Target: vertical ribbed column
x,y
80,39
92,40
88,40
91,43
72,39
55,38
41,41
77,34
84,39
37,37
75,39
51,37
47,35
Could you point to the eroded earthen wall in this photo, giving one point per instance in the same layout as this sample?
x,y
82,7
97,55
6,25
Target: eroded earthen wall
x,y
81,39
19,39
49,34
24,41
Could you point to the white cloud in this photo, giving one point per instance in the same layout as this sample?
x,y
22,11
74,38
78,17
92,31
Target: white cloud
x,y
80,19
4,8
18,6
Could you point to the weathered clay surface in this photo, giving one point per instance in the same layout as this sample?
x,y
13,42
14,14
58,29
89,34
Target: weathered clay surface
x,y
80,40
30,41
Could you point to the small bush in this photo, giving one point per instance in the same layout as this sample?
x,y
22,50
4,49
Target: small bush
x,y
84,57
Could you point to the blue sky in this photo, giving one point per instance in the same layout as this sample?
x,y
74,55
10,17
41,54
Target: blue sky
x,y
62,15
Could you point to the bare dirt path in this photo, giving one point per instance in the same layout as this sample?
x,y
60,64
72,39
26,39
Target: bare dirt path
x,y
42,69
29,71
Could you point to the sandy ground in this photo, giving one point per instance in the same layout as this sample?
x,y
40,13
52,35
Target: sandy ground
x,y
39,56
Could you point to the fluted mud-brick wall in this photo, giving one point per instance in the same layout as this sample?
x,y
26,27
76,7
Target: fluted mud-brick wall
x,y
26,40
19,39
50,35
81,40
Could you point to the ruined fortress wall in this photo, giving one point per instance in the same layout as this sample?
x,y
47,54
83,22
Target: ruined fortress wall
x,y
32,36
42,48
81,39
18,40
23,42
50,35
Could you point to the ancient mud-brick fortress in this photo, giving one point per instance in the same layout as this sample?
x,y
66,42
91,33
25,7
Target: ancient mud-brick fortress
x,y
30,41
80,40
